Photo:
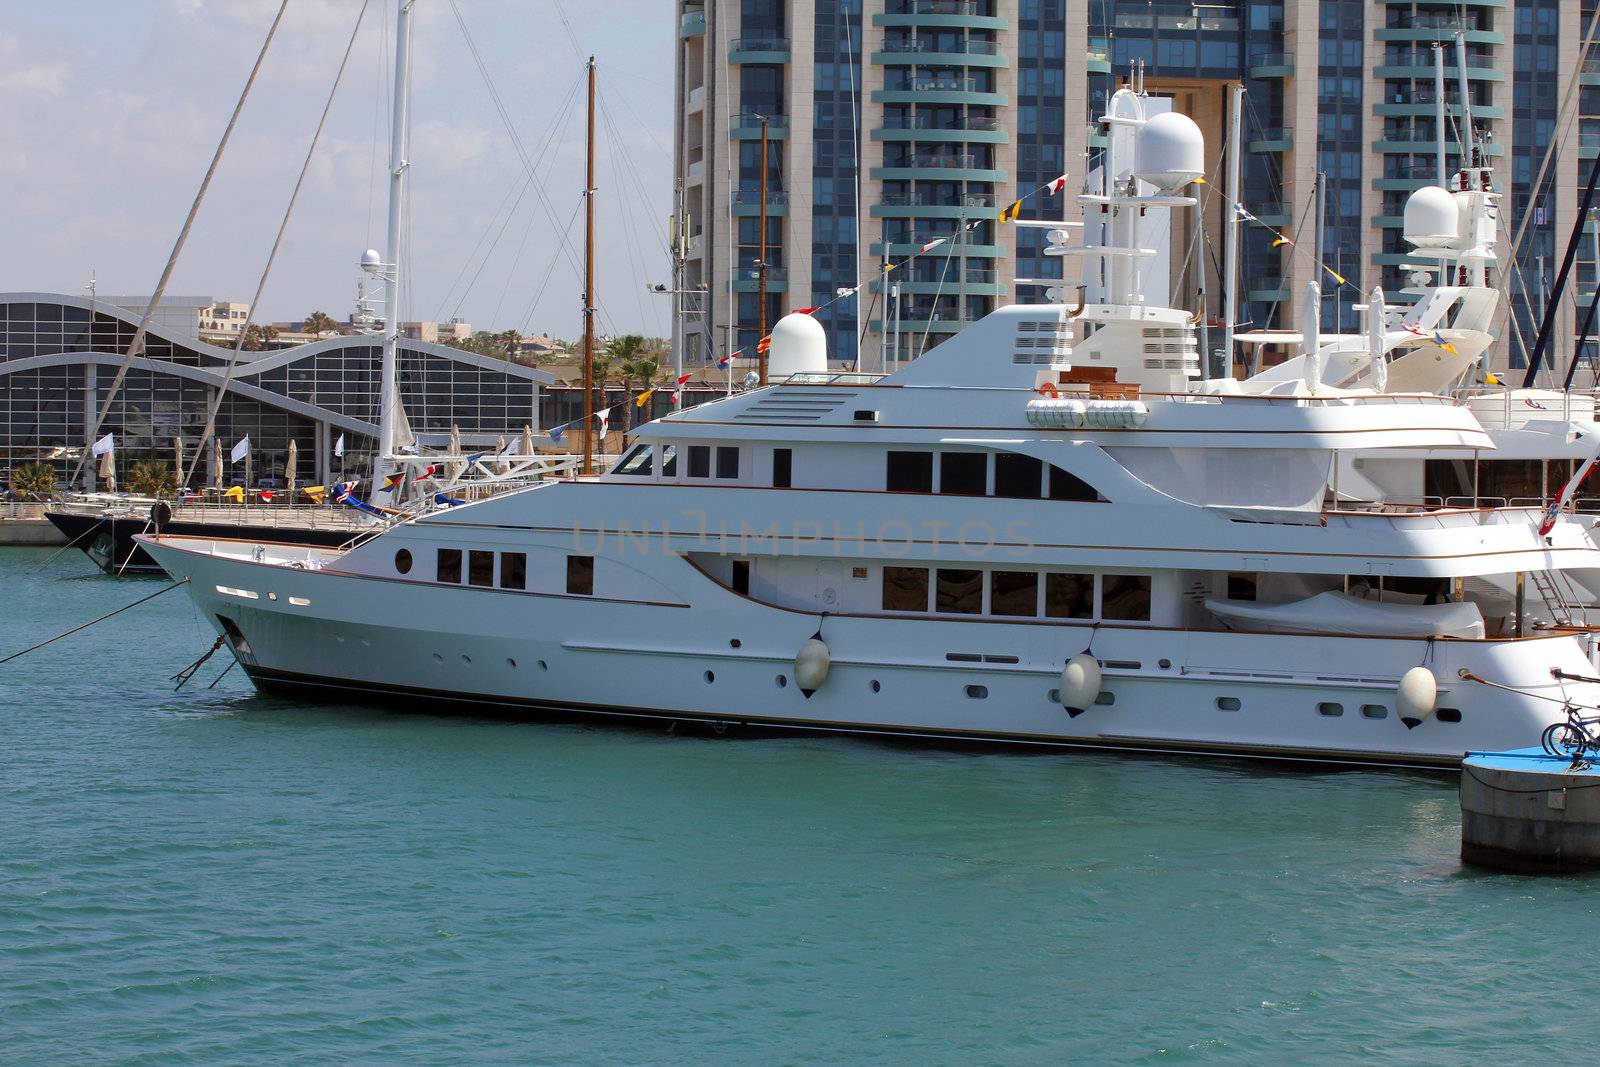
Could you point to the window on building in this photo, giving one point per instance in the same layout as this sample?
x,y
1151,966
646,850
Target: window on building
x,y
1125,597
1018,477
959,592
1065,486
1069,596
580,575
964,473
699,461
909,472
782,467
727,461
741,576
905,589
480,568
1013,593
449,565
636,462
513,570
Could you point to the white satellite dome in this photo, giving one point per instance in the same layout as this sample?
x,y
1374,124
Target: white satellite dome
x,y
1172,151
370,260
799,346
1432,218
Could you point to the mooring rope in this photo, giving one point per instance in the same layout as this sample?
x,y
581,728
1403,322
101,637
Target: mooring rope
x,y
91,622
183,676
1469,676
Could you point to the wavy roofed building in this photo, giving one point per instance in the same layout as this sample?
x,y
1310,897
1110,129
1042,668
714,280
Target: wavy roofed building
x,y
59,355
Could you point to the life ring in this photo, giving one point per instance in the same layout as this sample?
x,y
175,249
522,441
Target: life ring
x,y
1049,389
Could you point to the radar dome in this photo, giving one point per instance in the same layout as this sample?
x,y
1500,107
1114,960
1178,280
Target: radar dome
x,y
370,260
1172,151
799,346
1432,218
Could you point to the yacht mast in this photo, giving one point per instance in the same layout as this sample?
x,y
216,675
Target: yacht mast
x,y
1230,266
1440,123
588,291
389,384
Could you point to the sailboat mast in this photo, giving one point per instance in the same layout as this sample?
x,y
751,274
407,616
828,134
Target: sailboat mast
x,y
389,384
1230,268
588,290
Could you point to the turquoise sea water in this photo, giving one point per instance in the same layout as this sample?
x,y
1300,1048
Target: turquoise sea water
x,y
213,876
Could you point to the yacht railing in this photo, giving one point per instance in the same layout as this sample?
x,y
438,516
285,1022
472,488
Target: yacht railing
x,y
842,378
1564,409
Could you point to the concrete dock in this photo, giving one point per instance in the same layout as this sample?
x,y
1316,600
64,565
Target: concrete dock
x,y
1530,812
25,524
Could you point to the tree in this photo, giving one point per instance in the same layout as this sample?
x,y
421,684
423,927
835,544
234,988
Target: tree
x,y
319,322
257,337
151,477
642,370
34,481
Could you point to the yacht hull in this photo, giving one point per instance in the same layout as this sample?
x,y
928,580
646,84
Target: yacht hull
x,y
725,659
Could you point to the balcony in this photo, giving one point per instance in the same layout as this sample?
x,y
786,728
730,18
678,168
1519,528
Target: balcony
x,y
1099,56
1271,65
965,54
748,201
693,24
746,126
695,172
697,100
759,50
1272,140
748,280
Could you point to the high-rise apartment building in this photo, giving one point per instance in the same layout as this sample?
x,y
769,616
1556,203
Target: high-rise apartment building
x,y
889,123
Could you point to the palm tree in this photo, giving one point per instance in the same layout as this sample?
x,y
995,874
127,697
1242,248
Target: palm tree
x,y
34,481
151,477
643,370
256,337
319,322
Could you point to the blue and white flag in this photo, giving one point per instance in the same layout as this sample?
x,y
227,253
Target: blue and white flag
x,y
104,445
556,433
242,449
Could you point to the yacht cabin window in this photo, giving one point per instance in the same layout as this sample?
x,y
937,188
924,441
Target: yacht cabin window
x,y
1013,593
964,473
909,472
480,568
699,461
1069,596
905,589
580,575
1065,486
1125,597
448,565
513,570
635,463
1018,477
1016,594
782,467
959,592
727,461
741,577
669,461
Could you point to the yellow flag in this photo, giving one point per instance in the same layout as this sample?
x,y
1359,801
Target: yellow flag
x,y
1010,214
643,398
1490,379
1281,240
234,493
1200,181
1335,275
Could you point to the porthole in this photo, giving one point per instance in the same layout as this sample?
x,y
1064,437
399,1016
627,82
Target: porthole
x,y
978,692
1229,704
1330,709
511,663
783,683
1054,696
1374,711
735,643
1449,714
711,676
272,596
402,561
1106,698
876,685
543,666
1164,664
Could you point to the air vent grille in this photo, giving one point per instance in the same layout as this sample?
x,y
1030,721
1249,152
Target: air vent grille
x,y
796,405
1042,343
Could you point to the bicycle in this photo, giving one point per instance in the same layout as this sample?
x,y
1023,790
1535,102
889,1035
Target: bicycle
x,y
1576,738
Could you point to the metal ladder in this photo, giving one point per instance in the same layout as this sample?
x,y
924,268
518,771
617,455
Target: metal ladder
x,y
1554,602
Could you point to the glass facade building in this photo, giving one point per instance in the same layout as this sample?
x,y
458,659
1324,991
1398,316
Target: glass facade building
x,y
955,108
59,357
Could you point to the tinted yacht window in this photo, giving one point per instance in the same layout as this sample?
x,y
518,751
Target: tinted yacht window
x,y
636,462
909,472
1065,486
964,473
1069,596
960,592
1125,596
1018,477
905,589
699,461
727,461
669,461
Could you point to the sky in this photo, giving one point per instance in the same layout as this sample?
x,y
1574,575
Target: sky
x,y
110,111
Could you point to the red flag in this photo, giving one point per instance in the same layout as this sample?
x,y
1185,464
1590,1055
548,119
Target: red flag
x,y
1055,186
764,344
805,311
681,379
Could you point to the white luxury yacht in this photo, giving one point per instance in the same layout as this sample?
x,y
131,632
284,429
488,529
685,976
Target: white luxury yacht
x,y
1045,530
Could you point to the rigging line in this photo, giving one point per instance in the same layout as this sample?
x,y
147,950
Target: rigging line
x,y
1562,116
277,242
618,149
933,307
137,342
520,188
550,267
382,68
505,119
631,227
527,230
91,622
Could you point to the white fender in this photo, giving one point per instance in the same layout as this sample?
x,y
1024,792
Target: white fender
x,y
1080,683
811,665
1419,693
